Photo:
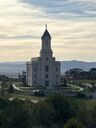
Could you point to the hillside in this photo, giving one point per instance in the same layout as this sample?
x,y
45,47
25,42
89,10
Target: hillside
x,y
13,68
66,65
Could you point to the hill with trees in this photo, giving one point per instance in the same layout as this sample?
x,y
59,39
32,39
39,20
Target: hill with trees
x,y
12,69
56,111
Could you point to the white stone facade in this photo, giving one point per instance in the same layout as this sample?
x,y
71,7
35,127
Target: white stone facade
x,y
44,70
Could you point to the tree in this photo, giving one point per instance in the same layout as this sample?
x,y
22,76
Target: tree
x,y
64,109
93,70
3,85
42,114
11,89
81,95
15,116
64,82
73,123
36,126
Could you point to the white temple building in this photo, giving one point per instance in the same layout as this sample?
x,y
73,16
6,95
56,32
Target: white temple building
x,y
44,70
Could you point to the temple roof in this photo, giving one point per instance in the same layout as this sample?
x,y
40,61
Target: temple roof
x,y
46,34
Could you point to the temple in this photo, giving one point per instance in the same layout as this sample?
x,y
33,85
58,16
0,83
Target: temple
x,y
44,70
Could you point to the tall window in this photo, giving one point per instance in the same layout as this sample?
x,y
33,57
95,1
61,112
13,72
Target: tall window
x,y
34,76
46,68
34,82
35,69
56,69
46,76
46,83
46,41
46,58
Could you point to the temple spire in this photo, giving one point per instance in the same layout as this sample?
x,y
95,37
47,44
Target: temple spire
x,y
46,33
45,26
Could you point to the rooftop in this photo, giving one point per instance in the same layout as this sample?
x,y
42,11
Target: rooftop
x,y
46,34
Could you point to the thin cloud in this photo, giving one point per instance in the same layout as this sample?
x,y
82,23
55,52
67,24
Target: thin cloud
x,y
72,25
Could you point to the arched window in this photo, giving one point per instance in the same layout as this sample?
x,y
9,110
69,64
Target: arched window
x,y
47,41
46,68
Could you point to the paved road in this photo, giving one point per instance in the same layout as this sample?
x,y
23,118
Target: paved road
x,y
16,88
79,88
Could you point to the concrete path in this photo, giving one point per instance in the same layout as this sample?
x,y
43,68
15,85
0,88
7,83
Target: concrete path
x,y
79,88
16,88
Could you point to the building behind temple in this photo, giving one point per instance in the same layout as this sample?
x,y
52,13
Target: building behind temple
x,y
44,70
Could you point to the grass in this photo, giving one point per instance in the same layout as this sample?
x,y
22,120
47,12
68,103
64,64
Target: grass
x,y
87,81
22,97
26,97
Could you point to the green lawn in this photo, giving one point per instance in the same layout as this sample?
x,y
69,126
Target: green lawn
x,y
87,81
20,96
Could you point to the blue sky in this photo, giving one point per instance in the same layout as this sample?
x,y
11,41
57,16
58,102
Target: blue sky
x,y
72,24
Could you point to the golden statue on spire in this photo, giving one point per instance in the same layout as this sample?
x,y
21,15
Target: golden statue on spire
x,y
45,26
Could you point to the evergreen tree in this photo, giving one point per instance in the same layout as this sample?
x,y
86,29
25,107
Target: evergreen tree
x,y
73,123
11,89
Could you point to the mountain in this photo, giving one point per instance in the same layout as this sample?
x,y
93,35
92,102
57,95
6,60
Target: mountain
x,y
12,69
66,65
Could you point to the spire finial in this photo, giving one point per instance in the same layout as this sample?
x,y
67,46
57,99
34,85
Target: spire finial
x,y
45,26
